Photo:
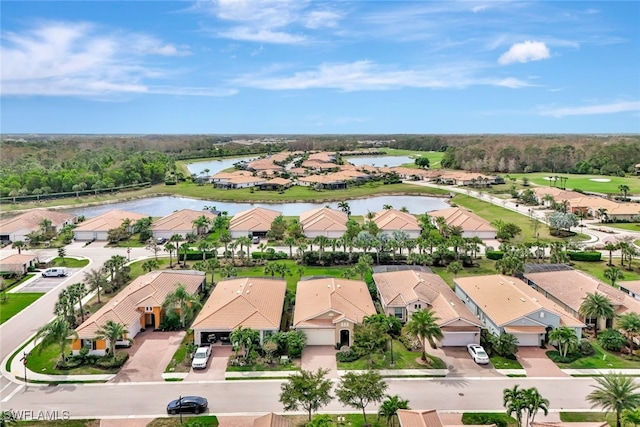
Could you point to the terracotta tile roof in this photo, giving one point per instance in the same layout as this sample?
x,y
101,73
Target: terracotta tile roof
x,y
505,299
279,181
271,420
572,286
180,220
469,221
246,180
318,164
632,285
255,219
322,179
322,219
393,219
624,209
298,171
18,259
31,220
265,164
345,299
148,290
569,424
404,287
250,302
412,418
109,220
228,175
592,202
324,156
557,193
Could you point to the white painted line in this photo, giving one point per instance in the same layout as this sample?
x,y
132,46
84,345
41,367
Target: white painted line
x,y
3,388
13,393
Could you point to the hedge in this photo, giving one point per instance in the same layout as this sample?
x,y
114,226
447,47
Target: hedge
x,y
269,255
476,418
585,256
494,255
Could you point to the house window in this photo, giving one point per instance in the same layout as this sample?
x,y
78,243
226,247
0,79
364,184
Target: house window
x,y
541,314
397,312
148,309
417,306
90,344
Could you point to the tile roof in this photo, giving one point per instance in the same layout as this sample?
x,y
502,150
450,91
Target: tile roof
x,y
229,175
271,420
457,217
108,221
251,302
254,219
624,209
31,220
148,290
592,202
413,418
346,299
322,219
632,285
393,219
180,220
279,181
572,286
17,259
505,299
404,287
557,193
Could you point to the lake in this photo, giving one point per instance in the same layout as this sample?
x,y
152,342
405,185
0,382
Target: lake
x,y
216,166
161,206
379,161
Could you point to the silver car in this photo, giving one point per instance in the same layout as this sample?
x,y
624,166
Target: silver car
x,y
478,354
201,358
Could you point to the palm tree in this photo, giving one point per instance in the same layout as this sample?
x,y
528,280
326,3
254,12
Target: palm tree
x,y
602,215
344,207
201,223
513,399
454,267
624,189
229,271
182,300
149,265
506,344
19,245
210,265
225,239
95,279
112,331
566,339
321,241
535,402
424,325
630,324
613,274
56,332
77,291
204,246
244,242
389,408
170,247
615,393
610,247
596,306
290,241
631,417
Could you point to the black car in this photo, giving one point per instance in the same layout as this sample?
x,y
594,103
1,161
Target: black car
x,y
192,404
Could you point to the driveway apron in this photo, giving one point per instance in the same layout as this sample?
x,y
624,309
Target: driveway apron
x,y
320,356
217,366
537,364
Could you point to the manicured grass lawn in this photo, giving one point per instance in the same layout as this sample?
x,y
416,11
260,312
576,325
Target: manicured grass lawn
x,y
631,226
163,263
178,363
61,423
482,267
483,417
601,360
596,269
188,420
402,358
584,183
70,262
434,156
500,362
588,417
10,283
15,303
44,361
256,368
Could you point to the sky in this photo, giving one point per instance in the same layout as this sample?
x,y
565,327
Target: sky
x,y
319,67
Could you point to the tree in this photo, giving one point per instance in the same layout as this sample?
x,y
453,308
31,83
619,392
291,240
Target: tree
x,y
112,331
390,406
290,241
307,390
244,339
62,252
535,402
424,325
8,418
615,393
454,267
344,207
171,248
278,228
629,323
153,246
566,339
185,250
562,221
149,265
506,345
358,390
77,291
596,306
182,300
610,246
613,274
19,245
56,332
201,224
524,403
631,417
422,162
203,246
96,280
624,190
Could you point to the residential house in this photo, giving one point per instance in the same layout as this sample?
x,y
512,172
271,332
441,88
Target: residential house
x,y
507,304
471,224
250,302
17,228
569,288
589,205
558,194
276,184
323,222
631,287
98,228
271,420
252,222
390,220
180,222
18,263
623,212
264,164
331,181
404,292
223,177
138,306
328,309
428,418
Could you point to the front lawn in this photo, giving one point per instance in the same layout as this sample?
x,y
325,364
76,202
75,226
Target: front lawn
x,y
482,418
500,362
482,266
188,420
264,367
596,269
70,262
180,362
12,283
402,358
60,423
601,360
631,226
44,362
588,417
15,303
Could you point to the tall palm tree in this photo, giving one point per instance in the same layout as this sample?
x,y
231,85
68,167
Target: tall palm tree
x,y
112,331
149,265
566,339
596,306
56,332
424,325
96,280
513,399
290,241
185,247
630,324
77,292
201,223
614,274
182,300
204,246
610,246
535,402
615,393
624,189
389,408
171,248
19,245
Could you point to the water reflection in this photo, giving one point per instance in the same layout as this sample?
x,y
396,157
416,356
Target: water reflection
x,y
379,161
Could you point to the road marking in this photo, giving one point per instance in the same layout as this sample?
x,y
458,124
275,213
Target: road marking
x,y
3,388
13,393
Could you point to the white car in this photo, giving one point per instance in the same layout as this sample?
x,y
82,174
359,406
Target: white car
x,y
478,354
201,358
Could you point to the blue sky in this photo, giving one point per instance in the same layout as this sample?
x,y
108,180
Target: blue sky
x,y
299,66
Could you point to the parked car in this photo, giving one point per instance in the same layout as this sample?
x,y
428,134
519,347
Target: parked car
x,y
478,354
255,239
55,272
201,358
161,240
194,404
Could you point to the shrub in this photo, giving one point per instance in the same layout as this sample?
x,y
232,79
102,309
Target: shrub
x,y
70,363
347,356
612,340
585,348
500,420
494,255
171,321
558,358
109,362
585,256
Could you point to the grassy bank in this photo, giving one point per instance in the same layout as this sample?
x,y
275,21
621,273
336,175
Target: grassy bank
x,y
609,184
402,359
15,303
43,360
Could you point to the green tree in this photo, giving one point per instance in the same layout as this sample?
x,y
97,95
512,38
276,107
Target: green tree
x,y
62,252
244,339
56,332
203,246
596,306
506,345
344,207
613,274
19,245
624,190
182,300
422,162
153,246
631,417
201,224
225,239
96,280
359,390
629,323
454,267
149,265
424,325
112,331
609,246
307,390
278,228
535,402
513,399
566,339
77,291
615,393
389,408
171,248
290,241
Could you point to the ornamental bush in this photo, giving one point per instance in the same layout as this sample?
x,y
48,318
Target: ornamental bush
x,y
494,255
594,256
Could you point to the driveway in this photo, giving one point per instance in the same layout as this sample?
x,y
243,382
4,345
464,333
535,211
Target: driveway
x,y
217,365
460,363
320,356
537,364
149,356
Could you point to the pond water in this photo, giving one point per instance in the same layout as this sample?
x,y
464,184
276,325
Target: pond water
x,y
161,206
379,161
216,166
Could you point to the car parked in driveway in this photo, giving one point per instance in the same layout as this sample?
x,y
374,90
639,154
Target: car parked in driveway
x,y
188,404
478,354
201,358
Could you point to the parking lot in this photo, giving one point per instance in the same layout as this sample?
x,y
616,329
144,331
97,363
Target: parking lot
x,y
45,284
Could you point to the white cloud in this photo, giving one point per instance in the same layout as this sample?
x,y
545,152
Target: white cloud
x,y
611,108
477,9
321,18
262,36
525,52
513,83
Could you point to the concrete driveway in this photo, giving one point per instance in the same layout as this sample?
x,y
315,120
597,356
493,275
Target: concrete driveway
x,y
149,356
320,356
460,363
217,365
535,361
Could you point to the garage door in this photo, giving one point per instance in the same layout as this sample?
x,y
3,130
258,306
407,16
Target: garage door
x,y
320,336
528,340
458,339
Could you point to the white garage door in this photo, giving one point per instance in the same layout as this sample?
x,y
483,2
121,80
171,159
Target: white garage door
x,y
528,340
320,336
458,339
